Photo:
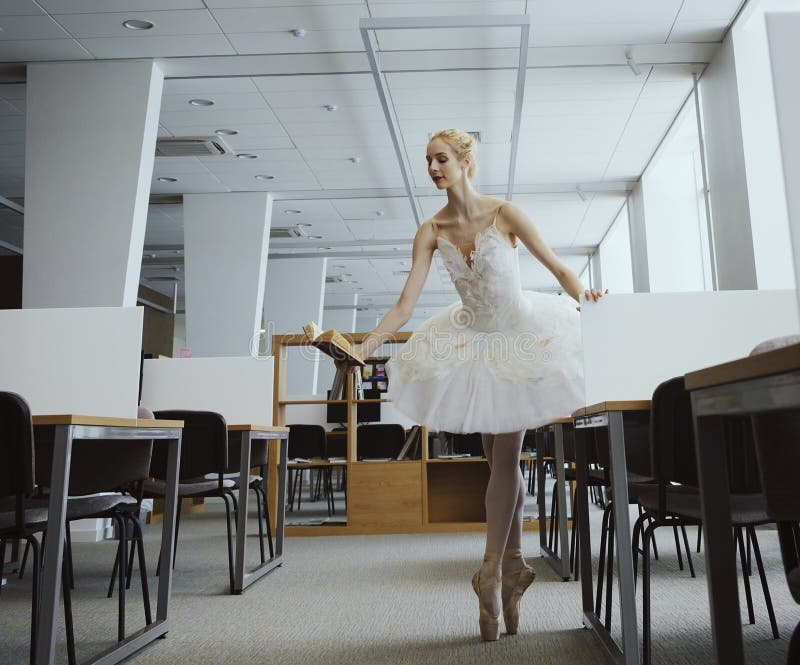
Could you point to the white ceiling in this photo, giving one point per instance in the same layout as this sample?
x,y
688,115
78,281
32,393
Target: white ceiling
x,y
581,125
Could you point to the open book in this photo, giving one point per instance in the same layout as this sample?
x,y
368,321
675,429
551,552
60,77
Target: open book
x,y
332,343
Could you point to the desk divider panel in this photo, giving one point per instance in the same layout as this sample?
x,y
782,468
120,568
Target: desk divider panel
x,y
633,342
238,388
81,360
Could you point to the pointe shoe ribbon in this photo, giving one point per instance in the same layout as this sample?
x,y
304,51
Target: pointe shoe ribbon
x,y
515,582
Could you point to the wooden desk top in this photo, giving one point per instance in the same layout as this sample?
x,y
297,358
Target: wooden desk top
x,y
604,407
776,361
257,428
315,463
76,419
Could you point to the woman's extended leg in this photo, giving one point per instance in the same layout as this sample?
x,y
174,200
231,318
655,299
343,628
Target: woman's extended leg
x,y
514,540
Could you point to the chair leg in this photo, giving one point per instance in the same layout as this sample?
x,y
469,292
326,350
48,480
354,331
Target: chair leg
x,y
647,656
654,544
765,586
699,536
688,553
2,561
139,540
602,561
68,553
610,571
36,563
123,560
638,530
175,545
269,526
573,536
66,585
260,525
114,572
553,531
677,546
749,552
794,646
230,540
737,532
24,559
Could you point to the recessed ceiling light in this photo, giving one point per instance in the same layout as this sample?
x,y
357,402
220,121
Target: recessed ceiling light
x,y
299,32
246,155
164,179
305,224
331,107
138,24
326,247
341,267
292,212
261,176
355,160
347,274
201,102
379,213
226,132
315,237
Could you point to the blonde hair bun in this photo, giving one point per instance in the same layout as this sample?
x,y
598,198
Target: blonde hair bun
x,y
463,144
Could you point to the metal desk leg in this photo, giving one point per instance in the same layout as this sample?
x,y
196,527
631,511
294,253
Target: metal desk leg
x,y
244,495
243,580
582,510
54,548
625,586
168,529
541,503
723,589
561,498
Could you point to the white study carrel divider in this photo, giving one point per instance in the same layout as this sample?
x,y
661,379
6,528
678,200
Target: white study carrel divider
x,y
239,388
633,342
81,360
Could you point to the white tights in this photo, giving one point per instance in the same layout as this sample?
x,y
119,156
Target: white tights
x,y
505,495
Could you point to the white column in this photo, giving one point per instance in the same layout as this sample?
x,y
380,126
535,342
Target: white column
x,y
343,318
638,240
226,239
727,181
89,147
295,295
783,30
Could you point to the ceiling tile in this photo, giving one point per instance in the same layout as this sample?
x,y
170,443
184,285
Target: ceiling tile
x,y
29,27
315,41
448,38
21,8
709,10
365,209
600,33
107,24
315,82
190,183
221,118
319,17
222,102
57,7
158,47
698,31
208,86
42,49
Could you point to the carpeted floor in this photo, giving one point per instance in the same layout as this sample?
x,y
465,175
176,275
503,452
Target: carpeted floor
x,y
378,600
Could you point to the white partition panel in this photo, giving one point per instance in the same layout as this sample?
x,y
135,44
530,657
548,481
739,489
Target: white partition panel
x,y
238,388
633,342
74,360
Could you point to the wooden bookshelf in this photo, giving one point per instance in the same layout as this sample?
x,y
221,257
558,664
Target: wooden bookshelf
x,y
406,496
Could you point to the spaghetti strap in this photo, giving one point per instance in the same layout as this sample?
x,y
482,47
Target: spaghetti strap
x,y
496,214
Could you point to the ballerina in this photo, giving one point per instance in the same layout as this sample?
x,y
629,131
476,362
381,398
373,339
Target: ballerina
x,y
498,361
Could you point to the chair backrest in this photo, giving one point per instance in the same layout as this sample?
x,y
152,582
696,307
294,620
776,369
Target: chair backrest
x,y
779,462
468,443
259,452
380,440
672,447
16,446
204,444
336,444
306,441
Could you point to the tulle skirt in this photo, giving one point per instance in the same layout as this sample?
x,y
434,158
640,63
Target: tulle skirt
x,y
519,375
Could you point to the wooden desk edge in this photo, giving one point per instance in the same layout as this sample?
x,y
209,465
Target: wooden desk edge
x,y
104,421
621,405
776,361
257,428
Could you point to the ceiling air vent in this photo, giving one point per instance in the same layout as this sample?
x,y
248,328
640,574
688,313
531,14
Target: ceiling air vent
x,y
401,273
287,232
191,146
335,279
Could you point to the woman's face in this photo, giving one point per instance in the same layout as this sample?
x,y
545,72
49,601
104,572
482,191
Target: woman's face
x,y
444,166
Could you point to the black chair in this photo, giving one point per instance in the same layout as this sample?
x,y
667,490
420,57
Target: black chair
x,y
467,444
778,457
336,446
204,451
380,440
675,500
305,442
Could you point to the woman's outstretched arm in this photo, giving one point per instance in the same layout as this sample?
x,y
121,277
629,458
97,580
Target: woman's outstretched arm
x,y
522,227
401,311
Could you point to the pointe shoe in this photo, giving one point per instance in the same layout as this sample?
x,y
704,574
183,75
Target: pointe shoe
x,y
489,623
515,582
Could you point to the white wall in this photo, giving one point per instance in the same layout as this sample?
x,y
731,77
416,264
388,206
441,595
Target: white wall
x,y
295,294
761,143
675,214
726,172
89,149
615,256
226,240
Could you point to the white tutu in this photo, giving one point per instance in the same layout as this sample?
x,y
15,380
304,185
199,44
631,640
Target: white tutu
x,y
500,360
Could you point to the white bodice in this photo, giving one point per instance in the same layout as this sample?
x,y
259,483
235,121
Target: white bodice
x,y
490,290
